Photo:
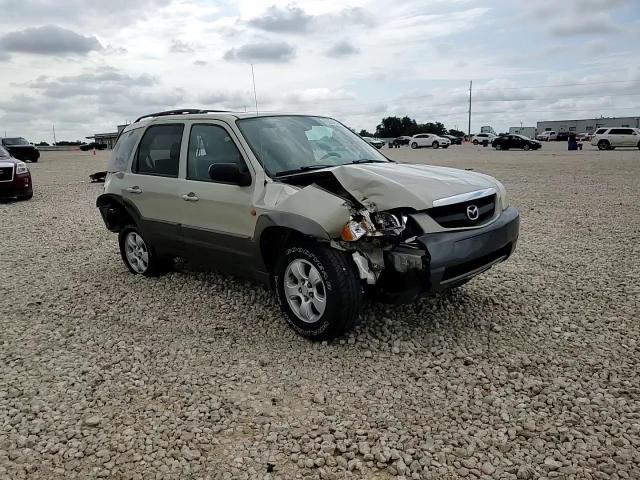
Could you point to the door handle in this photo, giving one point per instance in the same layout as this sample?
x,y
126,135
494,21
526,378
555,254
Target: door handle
x,y
190,197
135,189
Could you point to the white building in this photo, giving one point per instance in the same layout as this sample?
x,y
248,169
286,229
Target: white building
x,y
588,125
526,131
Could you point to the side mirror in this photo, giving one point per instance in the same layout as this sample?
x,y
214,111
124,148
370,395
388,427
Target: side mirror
x,y
229,173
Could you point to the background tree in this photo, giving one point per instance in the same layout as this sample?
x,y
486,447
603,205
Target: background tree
x,y
364,133
390,127
456,133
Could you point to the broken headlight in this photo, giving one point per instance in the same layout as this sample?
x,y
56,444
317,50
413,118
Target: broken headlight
x,y
354,230
386,221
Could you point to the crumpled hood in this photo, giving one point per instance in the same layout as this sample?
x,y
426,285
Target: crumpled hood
x,y
393,185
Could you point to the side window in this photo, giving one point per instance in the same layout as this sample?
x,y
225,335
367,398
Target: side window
x,y
617,131
159,151
626,131
601,131
123,150
208,145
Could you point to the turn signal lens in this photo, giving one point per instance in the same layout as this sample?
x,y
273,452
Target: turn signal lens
x,y
353,231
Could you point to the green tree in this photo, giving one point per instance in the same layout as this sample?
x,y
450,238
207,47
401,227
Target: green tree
x,y
364,133
390,127
456,133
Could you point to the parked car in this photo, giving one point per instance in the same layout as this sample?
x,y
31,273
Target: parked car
x,y
564,136
20,148
454,140
400,141
610,138
15,178
585,137
507,141
90,146
484,139
302,204
376,142
547,136
429,140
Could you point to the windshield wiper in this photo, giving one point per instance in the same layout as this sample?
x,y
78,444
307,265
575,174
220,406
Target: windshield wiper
x,y
306,168
367,160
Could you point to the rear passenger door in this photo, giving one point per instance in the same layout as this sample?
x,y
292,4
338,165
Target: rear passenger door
x,y
217,220
151,186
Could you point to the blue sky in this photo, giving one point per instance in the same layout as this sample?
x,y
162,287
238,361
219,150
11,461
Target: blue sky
x,y
87,65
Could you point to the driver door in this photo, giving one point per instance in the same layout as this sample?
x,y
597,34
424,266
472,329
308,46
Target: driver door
x,y
217,220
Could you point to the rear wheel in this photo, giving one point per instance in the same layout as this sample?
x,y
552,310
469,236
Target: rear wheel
x,y
603,145
318,290
485,143
414,145
138,255
435,145
475,142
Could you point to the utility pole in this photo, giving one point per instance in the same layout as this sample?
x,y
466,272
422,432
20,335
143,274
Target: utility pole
x,y
54,135
470,87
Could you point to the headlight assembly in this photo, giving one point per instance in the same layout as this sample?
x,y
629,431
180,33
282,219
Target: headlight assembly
x,y
21,167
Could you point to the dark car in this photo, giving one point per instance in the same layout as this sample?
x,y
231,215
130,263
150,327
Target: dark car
x,y
15,178
92,145
505,142
400,141
20,148
454,140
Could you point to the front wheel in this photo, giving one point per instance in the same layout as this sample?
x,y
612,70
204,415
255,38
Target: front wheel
x,y
138,255
414,145
475,142
527,147
603,145
318,290
435,145
498,146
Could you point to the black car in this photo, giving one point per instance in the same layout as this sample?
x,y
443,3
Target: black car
x,y
454,140
92,145
20,148
505,142
399,141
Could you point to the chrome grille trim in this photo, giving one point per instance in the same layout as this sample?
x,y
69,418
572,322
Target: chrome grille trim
x,y
465,197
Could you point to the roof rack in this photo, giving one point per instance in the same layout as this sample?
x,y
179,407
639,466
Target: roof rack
x,y
182,111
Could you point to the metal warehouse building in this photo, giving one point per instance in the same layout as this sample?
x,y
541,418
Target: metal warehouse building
x,y
588,125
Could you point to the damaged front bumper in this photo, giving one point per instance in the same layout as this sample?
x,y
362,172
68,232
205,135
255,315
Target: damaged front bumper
x,y
437,261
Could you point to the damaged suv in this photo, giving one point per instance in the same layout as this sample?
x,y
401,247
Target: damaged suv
x,y
303,204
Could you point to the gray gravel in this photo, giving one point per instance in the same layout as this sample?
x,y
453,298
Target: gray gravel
x,y
529,372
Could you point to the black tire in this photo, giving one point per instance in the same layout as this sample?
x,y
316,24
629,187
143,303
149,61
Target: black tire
x,y
638,145
485,143
603,145
475,142
526,147
156,265
414,145
435,145
445,146
343,290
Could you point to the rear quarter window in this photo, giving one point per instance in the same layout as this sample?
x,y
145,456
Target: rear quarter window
x,y
123,150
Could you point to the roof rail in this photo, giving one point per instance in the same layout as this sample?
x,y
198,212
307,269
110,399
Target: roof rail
x,y
182,111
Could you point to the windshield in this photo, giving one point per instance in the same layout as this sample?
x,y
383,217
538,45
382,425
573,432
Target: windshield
x,y
289,144
15,141
3,152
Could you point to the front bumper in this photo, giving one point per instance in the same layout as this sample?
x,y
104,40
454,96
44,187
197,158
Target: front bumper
x,y
448,258
20,186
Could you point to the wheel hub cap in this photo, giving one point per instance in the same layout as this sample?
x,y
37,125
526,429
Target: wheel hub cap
x,y
305,290
136,252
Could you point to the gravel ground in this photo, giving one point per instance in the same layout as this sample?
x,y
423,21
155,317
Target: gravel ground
x,y
530,371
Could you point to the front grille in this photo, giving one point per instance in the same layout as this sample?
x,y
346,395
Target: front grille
x,y
455,216
6,174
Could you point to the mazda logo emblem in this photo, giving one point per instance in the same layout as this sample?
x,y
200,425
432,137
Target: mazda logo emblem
x,y
472,212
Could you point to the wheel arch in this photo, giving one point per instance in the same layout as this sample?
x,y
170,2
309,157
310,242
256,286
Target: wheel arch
x,y
117,212
276,229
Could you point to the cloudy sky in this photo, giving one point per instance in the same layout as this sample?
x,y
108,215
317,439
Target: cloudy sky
x,y
87,65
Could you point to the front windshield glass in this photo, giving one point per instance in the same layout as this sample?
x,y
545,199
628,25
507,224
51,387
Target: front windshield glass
x,y
290,144
3,152
16,141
